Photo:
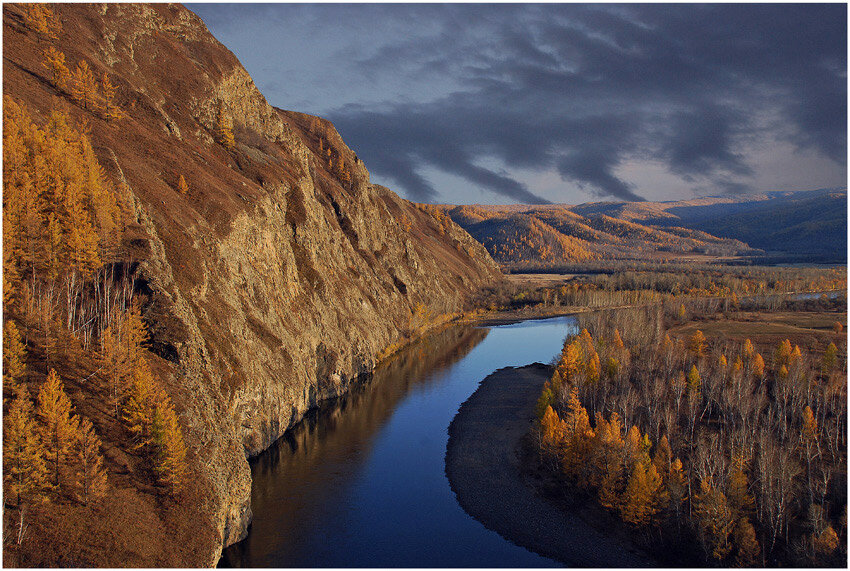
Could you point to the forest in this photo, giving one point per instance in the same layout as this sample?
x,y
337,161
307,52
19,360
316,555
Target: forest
x,y
738,446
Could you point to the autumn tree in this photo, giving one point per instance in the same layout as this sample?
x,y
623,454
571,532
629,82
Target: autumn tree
x,y
644,495
223,130
90,472
171,449
748,550
715,520
145,396
14,355
111,111
24,468
41,19
59,427
84,85
696,343
182,187
54,61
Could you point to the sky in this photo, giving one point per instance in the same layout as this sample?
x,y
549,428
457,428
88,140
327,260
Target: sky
x,y
564,103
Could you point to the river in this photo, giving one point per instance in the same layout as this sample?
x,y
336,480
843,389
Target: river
x,y
361,482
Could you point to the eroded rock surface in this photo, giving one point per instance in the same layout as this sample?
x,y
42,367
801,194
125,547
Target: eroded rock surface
x,y
283,274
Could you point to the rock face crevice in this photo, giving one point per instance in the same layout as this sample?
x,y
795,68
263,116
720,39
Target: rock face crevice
x,y
283,274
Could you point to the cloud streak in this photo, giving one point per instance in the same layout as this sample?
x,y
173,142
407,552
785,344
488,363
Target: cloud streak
x,y
482,92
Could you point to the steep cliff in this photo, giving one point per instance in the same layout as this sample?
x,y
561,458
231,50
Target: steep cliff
x,y
281,275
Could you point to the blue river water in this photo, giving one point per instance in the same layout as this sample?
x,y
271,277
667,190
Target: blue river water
x,y
361,482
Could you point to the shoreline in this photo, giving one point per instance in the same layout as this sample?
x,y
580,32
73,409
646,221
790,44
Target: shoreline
x,y
484,472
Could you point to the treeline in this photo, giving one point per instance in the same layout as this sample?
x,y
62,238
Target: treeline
x,y
69,307
739,447
734,287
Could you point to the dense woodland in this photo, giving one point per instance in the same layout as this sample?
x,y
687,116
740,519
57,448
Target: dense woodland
x,y
732,287
740,447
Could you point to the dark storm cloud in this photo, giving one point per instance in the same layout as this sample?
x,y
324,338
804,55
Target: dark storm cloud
x,y
587,91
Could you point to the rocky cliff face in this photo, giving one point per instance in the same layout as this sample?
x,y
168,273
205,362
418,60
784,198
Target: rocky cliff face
x,y
282,274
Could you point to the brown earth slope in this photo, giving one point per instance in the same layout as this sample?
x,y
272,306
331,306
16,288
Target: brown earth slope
x,y
277,279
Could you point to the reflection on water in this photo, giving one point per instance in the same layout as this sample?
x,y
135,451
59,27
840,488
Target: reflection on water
x,y
361,481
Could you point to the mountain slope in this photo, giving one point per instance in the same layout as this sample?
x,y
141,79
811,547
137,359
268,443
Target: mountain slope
x,y
277,279
812,224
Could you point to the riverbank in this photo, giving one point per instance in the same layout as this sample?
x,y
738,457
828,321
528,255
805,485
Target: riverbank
x,y
483,469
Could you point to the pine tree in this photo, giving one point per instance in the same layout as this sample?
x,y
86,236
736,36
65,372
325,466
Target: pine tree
x,y
139,412
84,85
171,465
644,496
134,333
577,434
24,469
14,355
224,128
593,368
40,19
696,343
58,425
551,429
114,363
741,502
830,357
749,551
694,384
90,473
715,520
111,111
757,366
677,487
182,187
663,457
54,61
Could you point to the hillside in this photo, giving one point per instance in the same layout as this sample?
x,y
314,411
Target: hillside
x,y
811,225
548,236
271,273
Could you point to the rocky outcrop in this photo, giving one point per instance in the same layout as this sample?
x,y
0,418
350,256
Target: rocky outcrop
x,y
283,274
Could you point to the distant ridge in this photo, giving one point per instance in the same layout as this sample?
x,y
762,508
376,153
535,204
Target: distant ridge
x,y
771,225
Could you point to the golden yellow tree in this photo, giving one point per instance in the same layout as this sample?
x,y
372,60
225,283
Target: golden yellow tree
x,y
111,111
577,434
694,383
223,131
139,412
54,61
84,85
14,355
696,343
182,187
59,427
644,496
714,519
90,472
41,19
171,453
24,469
748,552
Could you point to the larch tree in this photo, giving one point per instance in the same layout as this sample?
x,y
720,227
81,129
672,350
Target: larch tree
x,y
14,355
54,61
182,187
223,131
714,519
84,85
139,412
748,550
24,468
59,427
111,111
696,343
171,464
91,480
